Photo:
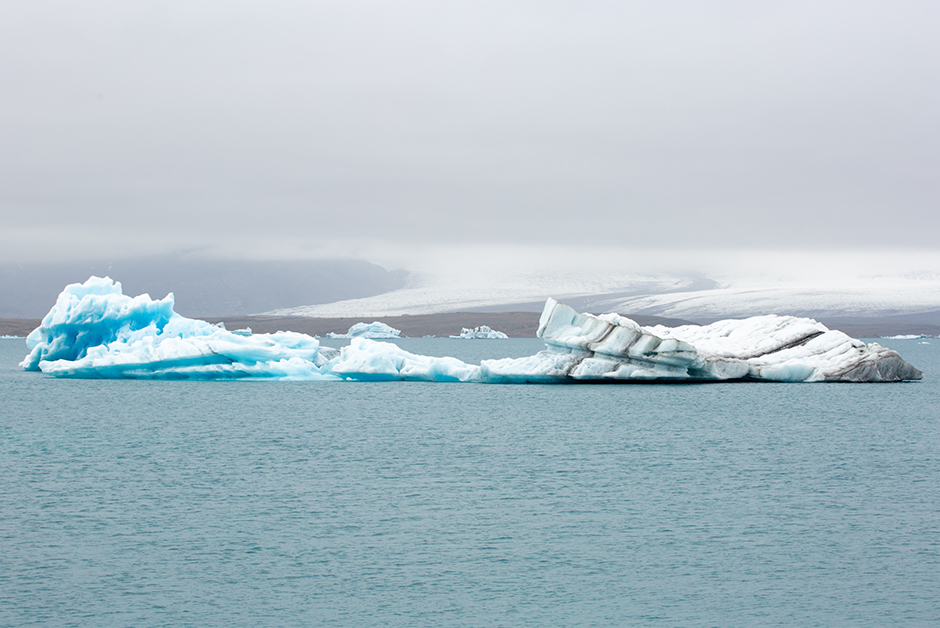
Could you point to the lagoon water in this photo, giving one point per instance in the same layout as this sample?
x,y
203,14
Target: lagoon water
x,y
140,503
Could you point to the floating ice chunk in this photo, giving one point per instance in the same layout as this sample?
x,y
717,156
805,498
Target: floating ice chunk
x,y
773,348
542,368
369,360
96,331
375,331
904,337
481,332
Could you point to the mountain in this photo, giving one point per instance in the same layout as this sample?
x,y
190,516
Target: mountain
x,y
202,287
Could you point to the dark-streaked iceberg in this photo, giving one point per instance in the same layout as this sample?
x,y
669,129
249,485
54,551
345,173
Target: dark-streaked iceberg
x,y
610,347
95,331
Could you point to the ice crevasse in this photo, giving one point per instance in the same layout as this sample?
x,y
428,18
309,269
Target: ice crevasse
x,y
95,331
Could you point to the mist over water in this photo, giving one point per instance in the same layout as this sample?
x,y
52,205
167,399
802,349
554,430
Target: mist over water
x,y
519,151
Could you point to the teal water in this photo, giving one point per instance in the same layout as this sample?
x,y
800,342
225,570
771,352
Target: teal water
x,y
136,503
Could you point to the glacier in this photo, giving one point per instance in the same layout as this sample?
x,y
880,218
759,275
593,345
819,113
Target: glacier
x,y
374,330
95,331
479,333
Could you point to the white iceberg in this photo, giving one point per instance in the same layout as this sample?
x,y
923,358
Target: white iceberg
x,y
479,333
610,347
374,331
95,331
369,360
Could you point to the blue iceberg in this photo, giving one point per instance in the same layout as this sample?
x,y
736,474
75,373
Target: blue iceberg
x,y
95,331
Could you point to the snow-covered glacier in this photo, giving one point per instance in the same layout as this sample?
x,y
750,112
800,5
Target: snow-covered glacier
x,y
95,331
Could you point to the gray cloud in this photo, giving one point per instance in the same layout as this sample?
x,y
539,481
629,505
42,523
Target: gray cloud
x,y
727,124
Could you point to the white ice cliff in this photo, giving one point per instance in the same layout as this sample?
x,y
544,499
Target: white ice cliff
x,y
483,332
375,331
95,331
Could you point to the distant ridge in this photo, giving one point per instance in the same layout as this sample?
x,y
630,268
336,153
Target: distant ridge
x,y
202,287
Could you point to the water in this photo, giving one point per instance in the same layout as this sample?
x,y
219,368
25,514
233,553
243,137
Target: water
x,y
135,503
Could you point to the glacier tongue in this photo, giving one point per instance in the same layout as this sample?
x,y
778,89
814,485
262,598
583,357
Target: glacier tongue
x,y
96,331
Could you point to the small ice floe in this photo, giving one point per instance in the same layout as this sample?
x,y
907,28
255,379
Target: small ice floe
x,y
478,333
372,331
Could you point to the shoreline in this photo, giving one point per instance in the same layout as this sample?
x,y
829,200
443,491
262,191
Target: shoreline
x,y
513,324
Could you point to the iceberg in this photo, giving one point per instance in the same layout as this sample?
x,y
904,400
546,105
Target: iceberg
x,y
610,347
481,332
374,330
95,331
369,360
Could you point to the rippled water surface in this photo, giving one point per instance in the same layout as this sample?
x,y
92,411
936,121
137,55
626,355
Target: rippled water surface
x,y
134,503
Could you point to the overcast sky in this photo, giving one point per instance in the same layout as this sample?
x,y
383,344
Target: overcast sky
x,y
351,127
